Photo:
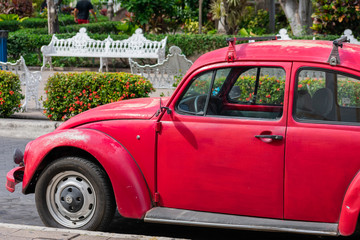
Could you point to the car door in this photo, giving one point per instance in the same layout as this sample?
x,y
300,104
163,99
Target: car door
x,y
322,141
222,149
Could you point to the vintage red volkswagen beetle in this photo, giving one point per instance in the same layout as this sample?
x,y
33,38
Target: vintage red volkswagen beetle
x,y
259,136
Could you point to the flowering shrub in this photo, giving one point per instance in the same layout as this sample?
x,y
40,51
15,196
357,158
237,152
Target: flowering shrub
x,y
270,89
69,94
10,95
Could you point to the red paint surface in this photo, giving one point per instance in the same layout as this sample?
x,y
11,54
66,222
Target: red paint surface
x,y
141,108
10,178
320,162
131,192
142,150
216,164
210,163
350,208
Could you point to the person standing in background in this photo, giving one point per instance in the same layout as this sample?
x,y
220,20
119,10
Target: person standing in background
x,y
81,12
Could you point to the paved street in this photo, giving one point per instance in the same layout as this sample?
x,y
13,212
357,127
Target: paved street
x,y
17,208
14,207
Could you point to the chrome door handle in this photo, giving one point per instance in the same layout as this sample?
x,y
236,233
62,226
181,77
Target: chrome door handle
x,y
274,137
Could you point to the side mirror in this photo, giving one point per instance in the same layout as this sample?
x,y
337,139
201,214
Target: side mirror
x,y
235,93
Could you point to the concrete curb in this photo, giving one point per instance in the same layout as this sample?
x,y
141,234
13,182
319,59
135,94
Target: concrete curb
x,y
25,128
36,232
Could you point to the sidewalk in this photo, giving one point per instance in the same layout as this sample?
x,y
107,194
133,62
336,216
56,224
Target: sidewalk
x,y
25,232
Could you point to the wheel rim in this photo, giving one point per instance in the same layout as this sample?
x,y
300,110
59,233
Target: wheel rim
x,y
71,199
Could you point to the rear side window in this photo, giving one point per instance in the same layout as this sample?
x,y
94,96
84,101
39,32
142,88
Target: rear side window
x,y
326,95
348,92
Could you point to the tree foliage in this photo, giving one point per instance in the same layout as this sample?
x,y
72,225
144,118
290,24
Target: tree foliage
x,y
229,12
23,8
160,16
334,16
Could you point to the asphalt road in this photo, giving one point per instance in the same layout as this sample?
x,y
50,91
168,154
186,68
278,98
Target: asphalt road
x,y
17,208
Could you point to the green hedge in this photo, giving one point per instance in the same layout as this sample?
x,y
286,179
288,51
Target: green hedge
x,y
69,94
27,43
11,26
96,28
10,95
39,25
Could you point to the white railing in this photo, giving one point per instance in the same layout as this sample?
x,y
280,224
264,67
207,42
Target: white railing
x,y
31,80
164,74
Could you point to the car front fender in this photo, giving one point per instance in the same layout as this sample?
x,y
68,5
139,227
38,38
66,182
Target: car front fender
x,y
130,189
350,208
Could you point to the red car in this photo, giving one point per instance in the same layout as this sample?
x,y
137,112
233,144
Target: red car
x,y
257,136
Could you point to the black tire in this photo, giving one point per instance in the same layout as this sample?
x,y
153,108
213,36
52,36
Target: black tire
x,y
75,193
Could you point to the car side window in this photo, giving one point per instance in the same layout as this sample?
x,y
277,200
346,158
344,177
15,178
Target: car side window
x,y
247,92
257,93
193,101
326,95
348,94
202,92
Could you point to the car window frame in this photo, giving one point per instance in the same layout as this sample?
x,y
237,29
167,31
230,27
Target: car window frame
x,y
295,96
242,69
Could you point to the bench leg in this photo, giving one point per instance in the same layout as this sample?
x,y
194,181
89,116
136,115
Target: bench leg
x,y
101,64
50,63
106,65
46,60
24,106
44,64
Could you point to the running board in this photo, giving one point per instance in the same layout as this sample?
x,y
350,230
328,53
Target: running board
x,y
217,220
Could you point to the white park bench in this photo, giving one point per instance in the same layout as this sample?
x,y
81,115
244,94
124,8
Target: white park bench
x,y
30,80
164,74
350,36
283,35
81,45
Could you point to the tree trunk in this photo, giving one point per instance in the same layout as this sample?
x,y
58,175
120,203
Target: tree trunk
x,y
225,23
305,12
272,16
200,16
53,21
298,13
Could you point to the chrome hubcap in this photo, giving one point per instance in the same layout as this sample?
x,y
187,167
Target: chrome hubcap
x,y
71,199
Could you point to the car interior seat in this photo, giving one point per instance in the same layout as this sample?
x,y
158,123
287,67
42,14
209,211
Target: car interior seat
x,y
303,104
322,103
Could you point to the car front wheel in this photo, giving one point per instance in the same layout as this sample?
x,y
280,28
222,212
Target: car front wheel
x,y
75,193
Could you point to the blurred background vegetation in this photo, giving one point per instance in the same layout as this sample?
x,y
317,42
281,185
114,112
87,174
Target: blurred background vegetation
x,y
196,26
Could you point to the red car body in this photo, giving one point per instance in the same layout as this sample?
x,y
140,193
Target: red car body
x,y
200,164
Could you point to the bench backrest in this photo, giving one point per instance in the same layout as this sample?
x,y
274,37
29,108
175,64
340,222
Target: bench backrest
x,y
19,68
164,74
348,33
137,46
31,80
283,35
78,44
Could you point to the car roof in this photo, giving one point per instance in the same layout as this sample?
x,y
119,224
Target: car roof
x,y
290,50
